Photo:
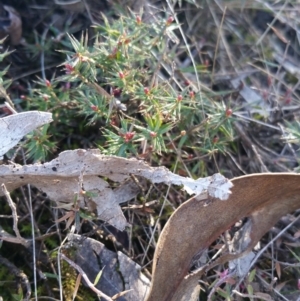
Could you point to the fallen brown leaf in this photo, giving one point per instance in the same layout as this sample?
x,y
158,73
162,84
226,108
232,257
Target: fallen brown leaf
x,y
264,198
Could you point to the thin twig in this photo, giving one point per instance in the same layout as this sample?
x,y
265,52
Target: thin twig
x,y
263,167
10,107
14,213
19,274
267,298
32,222
85,277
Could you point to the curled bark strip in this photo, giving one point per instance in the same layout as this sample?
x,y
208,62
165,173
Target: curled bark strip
x,y
59,180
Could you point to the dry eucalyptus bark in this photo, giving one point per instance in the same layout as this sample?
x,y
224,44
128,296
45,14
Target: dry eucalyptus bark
x,y
65,177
